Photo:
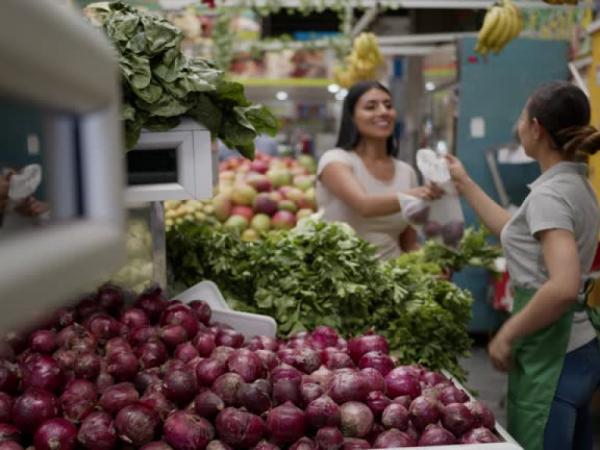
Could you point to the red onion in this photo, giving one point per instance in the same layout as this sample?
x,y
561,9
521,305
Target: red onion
x,y
253,398
238,428
451,394
226,387
483,416
185,352
102,326
263,343
307,360
145,379
268,359
181,315
42,371
117,345
229,338
264,385
179,386
355,444
304,443
158,445
394,439
56,434
172,364
435,435
323,376
207,404
286,424
173,335
432,378
87,306
377,401
287,391
118,396
152,303
374,379
395,416
424,411
136,424
97,432
123,366
104,381
143,334
285,372
88,366
208,370
220,353
43,341
185,431
204,344
322,412
287,355
377,360
349,386
399,383
6,404
246,364
329,438
310,391
404,400
217,445
324,336
457,419
264,445
432,392
34,407
202,310
80,389
356,419
9,432
64,317
479,436
134,318
78,400
366,343
336,359
159,403
151,354
75,337
9,380
111,298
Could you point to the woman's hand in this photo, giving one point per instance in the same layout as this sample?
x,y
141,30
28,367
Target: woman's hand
x,y
457,171
500,350
31,207
429,191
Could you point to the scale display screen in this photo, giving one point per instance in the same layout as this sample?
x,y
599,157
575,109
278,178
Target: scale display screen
x,y
155,166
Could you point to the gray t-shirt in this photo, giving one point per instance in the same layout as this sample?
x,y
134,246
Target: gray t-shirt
x,y
561,198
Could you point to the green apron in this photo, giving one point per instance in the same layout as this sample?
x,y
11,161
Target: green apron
x,y
536,368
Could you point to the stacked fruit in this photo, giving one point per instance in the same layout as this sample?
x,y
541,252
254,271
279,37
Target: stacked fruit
x,y
502,23
254,196
364,63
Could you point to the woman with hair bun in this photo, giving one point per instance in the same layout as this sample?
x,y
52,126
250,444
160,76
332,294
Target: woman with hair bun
x,y
549,346
358,182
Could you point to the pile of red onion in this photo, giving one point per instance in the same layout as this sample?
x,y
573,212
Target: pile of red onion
x,y
159,375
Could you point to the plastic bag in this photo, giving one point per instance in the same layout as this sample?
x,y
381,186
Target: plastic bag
x,y
440,219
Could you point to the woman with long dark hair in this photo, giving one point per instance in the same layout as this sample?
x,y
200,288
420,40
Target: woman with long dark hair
x,y
549,345
358,182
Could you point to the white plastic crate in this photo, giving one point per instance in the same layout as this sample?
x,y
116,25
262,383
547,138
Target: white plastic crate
x,y
248,324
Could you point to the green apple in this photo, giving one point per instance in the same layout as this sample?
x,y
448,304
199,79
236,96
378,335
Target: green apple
x,y
249,235
288,205
261,222
243,194
237,223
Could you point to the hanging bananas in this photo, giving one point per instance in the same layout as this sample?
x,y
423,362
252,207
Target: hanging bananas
x,y
503,22
363,63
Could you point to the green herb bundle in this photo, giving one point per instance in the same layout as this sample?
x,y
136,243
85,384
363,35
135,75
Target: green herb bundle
x,y
323,274
160,85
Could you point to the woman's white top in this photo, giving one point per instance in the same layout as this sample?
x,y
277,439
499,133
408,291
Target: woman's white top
x,y
382,231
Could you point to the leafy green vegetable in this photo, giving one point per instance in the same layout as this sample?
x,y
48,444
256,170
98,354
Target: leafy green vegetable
x,y
160,84
323,273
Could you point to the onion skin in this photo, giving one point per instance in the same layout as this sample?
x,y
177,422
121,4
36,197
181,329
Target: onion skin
x,y
424,411
185,431
286,424
208,404
6,404
322,412
395,416
136,424
97,432
179,386
118,396
9,380
435,435
458,419
42,371
43,341
356,419
208,370
10,445
33,408
9,432
329,438
239,429
56,434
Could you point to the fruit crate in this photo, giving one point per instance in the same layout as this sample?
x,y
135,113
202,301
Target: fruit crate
x,y
255,324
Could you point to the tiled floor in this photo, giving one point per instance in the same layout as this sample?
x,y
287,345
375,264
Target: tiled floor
x,y
491,385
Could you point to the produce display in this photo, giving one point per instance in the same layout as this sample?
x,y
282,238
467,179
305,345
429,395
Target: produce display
x,y
364,62
253,197
503,22
160,375
160,84
322,273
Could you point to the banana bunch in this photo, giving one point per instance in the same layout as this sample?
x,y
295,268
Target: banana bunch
x,y
561,2
363,63
502,23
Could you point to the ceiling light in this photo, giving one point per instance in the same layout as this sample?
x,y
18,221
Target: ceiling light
x,y
281,95
429,86
333,88
341,94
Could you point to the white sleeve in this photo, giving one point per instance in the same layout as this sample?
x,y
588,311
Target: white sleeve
x,y
335,155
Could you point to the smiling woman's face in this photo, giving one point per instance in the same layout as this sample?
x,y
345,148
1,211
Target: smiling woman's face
x,y
374,114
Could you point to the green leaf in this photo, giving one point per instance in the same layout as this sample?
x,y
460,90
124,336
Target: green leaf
x,y
160,35
121,26
136,70
232,91
165,106
149,94
161,123
262,119
207,113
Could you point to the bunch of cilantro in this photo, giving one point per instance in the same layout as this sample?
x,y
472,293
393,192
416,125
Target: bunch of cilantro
x,y
323,274
160,85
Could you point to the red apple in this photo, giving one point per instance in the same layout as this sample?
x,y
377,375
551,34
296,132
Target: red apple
x,y
259,166
243,211
265,204
259,182
283,220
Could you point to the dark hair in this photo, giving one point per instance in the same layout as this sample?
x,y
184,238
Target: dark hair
x,y
349,135
563,110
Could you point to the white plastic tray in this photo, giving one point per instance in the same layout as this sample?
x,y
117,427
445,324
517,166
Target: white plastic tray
x,y
248,324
